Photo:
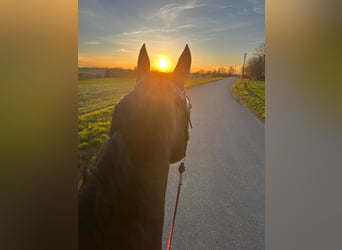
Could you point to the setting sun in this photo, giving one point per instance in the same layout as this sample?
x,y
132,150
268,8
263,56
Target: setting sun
x,y
163,64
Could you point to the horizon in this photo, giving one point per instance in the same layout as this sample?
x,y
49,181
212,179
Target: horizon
x,y
237,69
218,32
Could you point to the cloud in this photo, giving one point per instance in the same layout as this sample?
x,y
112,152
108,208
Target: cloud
x,y
139,32
258,6
160,30
173,10
258,10
125,50
178,28
230,27
91,43
186,26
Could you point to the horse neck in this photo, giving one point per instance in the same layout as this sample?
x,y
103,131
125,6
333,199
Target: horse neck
x,y
143,175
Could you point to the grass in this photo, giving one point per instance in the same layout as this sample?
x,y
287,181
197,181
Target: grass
x,y
252,95
96,100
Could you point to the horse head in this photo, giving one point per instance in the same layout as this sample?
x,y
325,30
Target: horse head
x,y
155,115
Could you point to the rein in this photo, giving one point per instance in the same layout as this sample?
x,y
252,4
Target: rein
x,y
181,167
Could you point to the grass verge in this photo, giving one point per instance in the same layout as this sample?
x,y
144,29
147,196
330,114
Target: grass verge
x,y
251,94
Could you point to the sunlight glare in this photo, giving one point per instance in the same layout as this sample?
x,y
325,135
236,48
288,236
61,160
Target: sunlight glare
x,y
162,64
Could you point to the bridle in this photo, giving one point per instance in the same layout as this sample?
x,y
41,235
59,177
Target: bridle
x,y
186,100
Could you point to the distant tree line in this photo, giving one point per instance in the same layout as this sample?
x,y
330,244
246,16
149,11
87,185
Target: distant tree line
x,y
219,72
86,73
255,68
120,73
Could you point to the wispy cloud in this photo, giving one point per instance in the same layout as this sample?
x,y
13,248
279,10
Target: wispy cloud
x,y
217,30
186,26
139,32
125,50
161,30
91,42
258,10
173,10
258,6
177,28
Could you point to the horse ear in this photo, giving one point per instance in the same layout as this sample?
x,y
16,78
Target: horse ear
x,y
182,69
143,62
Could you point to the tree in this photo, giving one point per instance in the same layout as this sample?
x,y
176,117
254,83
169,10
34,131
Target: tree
x,y
256,64
231,70
221,70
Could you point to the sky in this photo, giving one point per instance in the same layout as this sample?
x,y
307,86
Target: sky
x,y
218,32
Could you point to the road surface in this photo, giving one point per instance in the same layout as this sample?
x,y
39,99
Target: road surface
x,y
222,198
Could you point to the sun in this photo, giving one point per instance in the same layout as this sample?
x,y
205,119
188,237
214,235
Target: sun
x,y
163,64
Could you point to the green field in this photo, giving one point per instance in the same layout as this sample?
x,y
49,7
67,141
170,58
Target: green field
x,y
96,99
252,95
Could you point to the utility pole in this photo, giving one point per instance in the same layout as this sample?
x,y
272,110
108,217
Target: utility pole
x,y
243,65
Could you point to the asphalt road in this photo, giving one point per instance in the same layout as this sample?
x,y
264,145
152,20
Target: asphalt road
x,y
222,198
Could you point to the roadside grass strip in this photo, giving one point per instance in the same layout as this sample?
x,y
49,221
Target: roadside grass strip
x,y
251,95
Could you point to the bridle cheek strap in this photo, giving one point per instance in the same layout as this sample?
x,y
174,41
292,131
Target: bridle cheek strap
x,y
185,99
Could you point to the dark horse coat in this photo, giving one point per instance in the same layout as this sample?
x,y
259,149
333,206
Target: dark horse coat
x,y
121,201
